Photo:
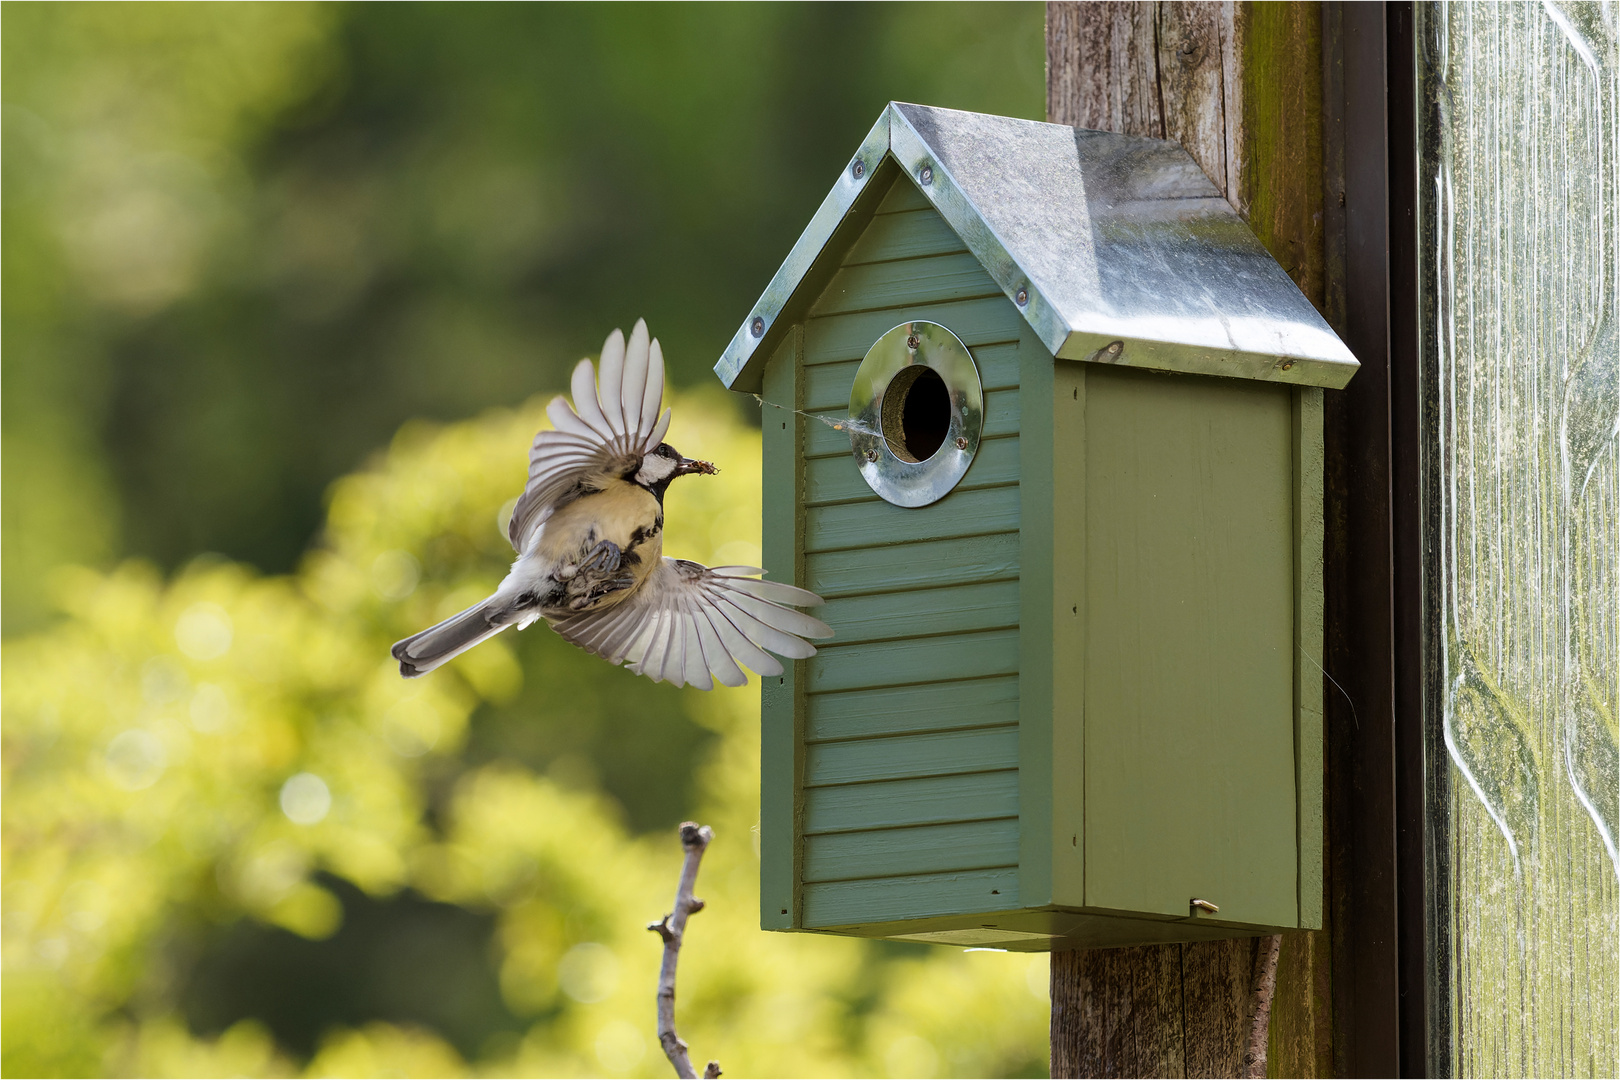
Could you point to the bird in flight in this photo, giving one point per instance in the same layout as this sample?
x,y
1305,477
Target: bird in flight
x,y
588,531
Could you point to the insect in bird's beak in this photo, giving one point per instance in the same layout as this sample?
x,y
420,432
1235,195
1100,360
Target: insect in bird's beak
x,y
693,465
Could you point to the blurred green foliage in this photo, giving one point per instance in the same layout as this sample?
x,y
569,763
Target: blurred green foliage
x,y
244,243
244,247
191,762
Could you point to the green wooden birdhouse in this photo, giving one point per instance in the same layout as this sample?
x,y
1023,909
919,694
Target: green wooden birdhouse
x,y
1061,487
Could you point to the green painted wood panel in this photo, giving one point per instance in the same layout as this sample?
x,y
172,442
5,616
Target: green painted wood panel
x,y
1063,846
1001,417
922,613
1039,776
935,753
927,849
912,732
989,321
907,235
850,903
880,286
933,659
834,480
904,710
781,699
903,196
1309,463
898,803
962,513
1189,693
892,569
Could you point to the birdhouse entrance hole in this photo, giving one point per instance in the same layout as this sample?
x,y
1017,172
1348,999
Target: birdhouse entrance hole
x,y
917,407
916,414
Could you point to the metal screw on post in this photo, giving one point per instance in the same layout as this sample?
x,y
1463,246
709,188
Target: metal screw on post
x,y
871,455
1021,297
857,169
757,327
961,443
926,175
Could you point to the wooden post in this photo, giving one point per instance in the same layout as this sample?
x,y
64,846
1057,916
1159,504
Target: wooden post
x,y
1240,86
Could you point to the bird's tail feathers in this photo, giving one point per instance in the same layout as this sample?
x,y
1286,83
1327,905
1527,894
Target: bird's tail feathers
x,y
421,653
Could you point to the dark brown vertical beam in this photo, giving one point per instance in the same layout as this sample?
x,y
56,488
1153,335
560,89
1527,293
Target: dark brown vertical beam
x,y
1413,605
1372,553
1239,85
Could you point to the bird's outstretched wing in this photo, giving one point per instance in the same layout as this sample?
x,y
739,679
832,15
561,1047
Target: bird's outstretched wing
x,y
688,622
613,422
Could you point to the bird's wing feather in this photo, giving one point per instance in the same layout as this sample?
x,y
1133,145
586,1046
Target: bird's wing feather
x,y
612,423
692,624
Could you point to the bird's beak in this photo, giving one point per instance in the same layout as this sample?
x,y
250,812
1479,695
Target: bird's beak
x,y
693,465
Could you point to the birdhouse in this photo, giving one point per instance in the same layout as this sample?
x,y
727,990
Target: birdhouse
x,y
1049,442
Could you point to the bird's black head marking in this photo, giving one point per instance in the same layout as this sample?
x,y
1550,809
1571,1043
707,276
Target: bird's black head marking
x,y
664,464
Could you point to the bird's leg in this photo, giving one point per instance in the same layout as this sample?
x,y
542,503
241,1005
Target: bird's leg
x,y
596,575
604,558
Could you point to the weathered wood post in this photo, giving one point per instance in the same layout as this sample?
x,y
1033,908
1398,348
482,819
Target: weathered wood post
x,y
1240,85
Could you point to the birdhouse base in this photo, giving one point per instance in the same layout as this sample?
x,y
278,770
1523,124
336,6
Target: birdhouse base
x,y
1051,929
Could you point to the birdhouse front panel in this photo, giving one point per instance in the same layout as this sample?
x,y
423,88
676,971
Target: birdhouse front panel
x,y
1043,427
908,794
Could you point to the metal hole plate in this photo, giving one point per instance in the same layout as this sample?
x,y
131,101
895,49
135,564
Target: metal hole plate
x,y
883,460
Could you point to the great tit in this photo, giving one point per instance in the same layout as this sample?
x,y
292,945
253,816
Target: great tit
x,y
588,531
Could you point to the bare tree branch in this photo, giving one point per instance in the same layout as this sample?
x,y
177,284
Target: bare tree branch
x,y
1260,994
672,928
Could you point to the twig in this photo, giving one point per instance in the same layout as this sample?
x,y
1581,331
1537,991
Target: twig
x,y
672,928
1265,986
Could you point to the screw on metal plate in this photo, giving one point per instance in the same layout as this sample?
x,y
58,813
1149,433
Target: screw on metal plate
x,y
912,343
857,169
757,327
871,455
961,443
1203,905
926,175
1021,297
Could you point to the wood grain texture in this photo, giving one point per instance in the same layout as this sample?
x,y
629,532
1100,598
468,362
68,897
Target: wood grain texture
x,y
1118,1012
1240,86
1102,67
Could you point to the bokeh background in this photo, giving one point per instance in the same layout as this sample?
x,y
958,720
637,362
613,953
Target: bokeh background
x,y
285,288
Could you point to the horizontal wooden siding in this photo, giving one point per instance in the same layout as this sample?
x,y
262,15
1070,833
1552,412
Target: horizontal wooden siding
x,y
911,732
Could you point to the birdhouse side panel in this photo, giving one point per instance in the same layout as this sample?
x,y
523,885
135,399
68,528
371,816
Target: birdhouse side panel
x,y
910,715
1190,755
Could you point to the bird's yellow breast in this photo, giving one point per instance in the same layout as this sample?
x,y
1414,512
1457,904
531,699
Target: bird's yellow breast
x,y
627,514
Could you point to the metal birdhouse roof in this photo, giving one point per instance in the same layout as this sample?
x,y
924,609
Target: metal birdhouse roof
x,y
1097,238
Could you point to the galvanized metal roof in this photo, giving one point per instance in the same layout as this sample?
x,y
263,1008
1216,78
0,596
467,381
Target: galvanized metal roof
x,y
1097,238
